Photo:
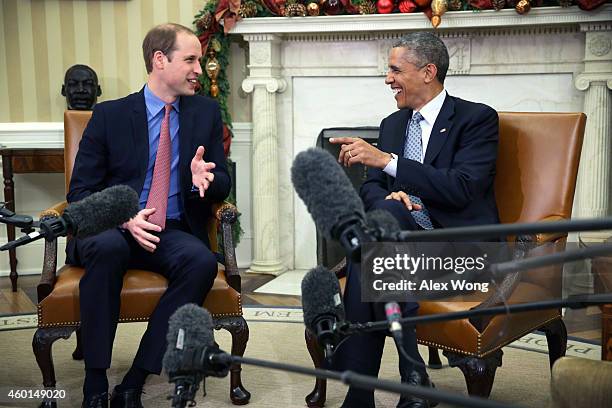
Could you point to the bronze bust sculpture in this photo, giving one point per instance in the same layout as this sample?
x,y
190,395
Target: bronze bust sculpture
x,y
81,87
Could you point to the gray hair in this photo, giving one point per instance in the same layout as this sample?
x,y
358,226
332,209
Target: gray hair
x,y
426,48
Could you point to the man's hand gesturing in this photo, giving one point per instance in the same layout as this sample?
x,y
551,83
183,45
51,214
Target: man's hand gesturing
x,y
201,171
355,150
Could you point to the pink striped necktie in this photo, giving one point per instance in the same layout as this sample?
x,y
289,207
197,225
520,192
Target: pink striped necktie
x,y
158,194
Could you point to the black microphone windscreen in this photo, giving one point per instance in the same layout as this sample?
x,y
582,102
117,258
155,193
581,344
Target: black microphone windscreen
x,y
102,211
321,296
189,327
383,220
325,189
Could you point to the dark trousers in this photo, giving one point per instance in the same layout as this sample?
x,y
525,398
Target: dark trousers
x,y
362,353
180,257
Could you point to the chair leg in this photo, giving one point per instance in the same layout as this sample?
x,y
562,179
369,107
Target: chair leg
x,y
239,330
479,373
77,354
42,343
434,359
556,337
317,397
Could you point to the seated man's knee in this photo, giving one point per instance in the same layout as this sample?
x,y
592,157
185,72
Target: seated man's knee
x,y
201,267
389,205
109,246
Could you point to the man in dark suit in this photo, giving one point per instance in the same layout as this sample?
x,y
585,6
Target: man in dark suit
x,y
433,168
166,144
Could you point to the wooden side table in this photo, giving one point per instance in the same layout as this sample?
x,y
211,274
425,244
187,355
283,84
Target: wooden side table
x,y
19,160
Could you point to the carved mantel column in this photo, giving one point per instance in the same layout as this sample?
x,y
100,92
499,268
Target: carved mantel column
x,y
596,82
264,81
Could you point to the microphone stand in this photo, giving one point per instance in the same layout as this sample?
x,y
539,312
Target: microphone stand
x,y
367,382
185,390
499,230
573,302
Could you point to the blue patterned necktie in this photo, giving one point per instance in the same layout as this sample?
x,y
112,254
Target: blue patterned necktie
x,y
413,150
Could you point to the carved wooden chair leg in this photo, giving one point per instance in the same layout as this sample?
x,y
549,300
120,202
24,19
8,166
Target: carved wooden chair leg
x,y
317,397
239,330
434,358
556,337
479,373
77,354
42,343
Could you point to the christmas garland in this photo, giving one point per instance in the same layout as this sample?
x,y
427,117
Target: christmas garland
x,y
434,9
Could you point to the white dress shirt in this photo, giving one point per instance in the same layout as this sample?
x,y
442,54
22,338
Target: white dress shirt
x,y
430,113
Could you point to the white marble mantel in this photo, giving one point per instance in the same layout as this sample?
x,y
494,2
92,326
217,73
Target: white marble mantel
x,y
309,73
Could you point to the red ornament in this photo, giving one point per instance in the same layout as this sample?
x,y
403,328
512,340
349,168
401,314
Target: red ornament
x,y
482,4
589,4
422,3
384,6
331,7
407,6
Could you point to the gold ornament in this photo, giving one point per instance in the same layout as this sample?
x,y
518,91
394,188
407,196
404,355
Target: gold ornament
x,y
212,71
438,8
523,7
312,9
247,10
295,9
215,45
367,7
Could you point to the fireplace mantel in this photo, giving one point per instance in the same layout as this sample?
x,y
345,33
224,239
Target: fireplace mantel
x,y
376,24
305,74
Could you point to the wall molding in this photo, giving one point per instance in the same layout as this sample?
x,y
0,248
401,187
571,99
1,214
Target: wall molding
x,y
32,134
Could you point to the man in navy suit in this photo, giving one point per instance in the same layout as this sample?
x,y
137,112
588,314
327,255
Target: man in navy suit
x,y
120,146
433,168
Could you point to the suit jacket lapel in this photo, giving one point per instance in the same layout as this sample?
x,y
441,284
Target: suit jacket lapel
x,y
399,129
186,119
140,131
441,130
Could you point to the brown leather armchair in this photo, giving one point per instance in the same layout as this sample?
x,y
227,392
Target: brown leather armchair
x,y
58,290
537,166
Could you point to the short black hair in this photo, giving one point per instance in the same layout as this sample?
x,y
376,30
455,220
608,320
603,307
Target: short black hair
x,y
426,48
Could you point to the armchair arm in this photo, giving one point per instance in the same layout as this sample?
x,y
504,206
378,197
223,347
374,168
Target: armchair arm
x,y
550,236
49,269
55,210
227,214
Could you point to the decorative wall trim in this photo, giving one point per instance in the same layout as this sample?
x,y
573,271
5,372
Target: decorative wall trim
x,y
32,134
472,32
358,27
242,133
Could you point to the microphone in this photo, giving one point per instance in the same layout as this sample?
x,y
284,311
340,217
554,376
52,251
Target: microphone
x,y
96,213
191,353
322,306
330,199
382,224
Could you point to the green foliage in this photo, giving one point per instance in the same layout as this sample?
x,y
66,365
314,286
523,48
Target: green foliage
x,y
221,44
